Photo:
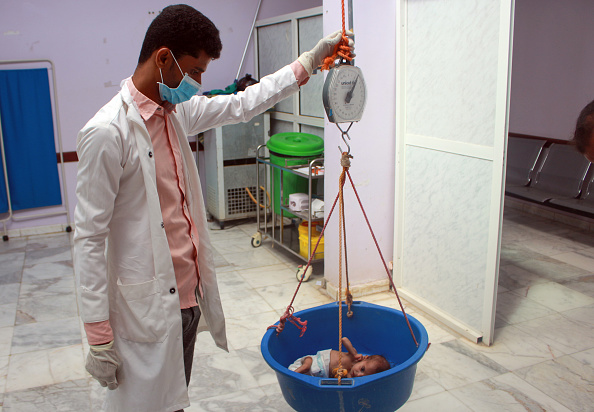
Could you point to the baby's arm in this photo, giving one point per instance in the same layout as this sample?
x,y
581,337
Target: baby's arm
x,y
305,366
349,347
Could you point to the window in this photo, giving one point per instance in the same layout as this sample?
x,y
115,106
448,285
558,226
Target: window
x,y
279,41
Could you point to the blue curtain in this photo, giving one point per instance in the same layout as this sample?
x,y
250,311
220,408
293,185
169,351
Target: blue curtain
x,y
28,132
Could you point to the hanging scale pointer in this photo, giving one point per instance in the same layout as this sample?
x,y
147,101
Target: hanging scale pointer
x,y
344,96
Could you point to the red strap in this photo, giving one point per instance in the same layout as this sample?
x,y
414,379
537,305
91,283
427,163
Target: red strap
x,y
300,324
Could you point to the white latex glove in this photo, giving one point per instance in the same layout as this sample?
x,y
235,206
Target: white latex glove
x,y
312,59
103,363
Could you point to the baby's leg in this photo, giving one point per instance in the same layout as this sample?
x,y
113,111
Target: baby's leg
x,y
305,366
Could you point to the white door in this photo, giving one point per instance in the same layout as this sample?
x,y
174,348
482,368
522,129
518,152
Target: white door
x,y
453,76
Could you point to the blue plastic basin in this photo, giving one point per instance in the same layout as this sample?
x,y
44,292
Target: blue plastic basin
x,y
373,329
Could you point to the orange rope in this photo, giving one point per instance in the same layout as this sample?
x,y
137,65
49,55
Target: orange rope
x,y
342,5
342,179
342,49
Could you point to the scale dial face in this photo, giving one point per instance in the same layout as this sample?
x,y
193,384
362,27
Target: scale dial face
x,y
344,94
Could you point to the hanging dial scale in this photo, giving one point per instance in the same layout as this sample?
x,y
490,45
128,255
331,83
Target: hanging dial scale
x,y
344,93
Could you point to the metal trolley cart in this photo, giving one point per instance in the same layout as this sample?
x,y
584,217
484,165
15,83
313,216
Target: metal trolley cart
x,y
273,226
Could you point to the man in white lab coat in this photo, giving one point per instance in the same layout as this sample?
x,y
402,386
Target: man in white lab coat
x,y
143,260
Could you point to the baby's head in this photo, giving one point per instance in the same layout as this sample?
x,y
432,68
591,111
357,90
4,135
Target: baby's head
x,y
369,365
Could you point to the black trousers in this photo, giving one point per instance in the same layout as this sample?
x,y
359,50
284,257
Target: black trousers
x,y
190,318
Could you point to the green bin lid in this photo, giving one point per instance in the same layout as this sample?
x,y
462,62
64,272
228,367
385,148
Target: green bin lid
x,y
296,144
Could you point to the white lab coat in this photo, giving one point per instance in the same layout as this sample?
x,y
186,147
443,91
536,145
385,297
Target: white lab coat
x,y
122,260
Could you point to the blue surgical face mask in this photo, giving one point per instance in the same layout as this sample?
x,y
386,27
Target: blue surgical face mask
x,y
187,88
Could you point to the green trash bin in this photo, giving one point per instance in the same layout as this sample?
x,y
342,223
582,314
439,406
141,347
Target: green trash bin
x,y
290,149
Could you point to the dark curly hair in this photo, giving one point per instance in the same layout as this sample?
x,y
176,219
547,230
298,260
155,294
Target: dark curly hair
x,y
584,128
382,363
183,30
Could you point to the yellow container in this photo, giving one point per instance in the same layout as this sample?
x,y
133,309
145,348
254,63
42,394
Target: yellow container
x,y
303,243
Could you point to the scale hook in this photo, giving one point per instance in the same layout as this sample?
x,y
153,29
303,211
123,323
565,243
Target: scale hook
x,y
344,133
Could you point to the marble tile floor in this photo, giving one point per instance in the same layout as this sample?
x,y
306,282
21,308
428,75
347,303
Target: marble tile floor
x,y
542,358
